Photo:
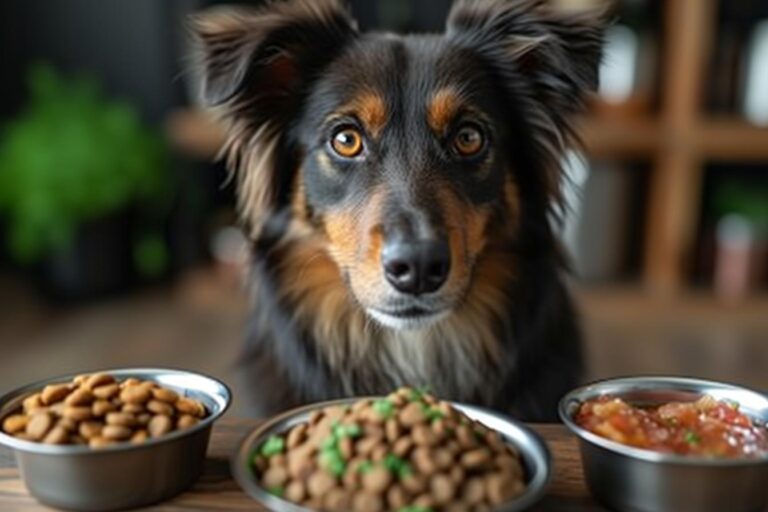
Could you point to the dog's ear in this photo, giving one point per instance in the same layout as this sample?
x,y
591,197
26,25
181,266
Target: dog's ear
x,y
557,52
257,66
268,52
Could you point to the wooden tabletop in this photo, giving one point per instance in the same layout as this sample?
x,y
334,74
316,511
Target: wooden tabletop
x,y
217,491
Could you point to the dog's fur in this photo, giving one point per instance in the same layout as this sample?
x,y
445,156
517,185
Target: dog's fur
x,y
284,77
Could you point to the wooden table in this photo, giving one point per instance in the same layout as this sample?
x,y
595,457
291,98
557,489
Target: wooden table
x,y
217,491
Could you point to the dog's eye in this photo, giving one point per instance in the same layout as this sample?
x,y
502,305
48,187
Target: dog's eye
x,y
347,142
469,140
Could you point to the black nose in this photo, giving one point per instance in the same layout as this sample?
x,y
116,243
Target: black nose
x,y
416,267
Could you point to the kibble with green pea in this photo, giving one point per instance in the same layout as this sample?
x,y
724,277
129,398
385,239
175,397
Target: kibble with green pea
x,y
406,452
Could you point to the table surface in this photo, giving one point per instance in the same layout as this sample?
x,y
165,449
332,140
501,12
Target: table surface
x,y
217,491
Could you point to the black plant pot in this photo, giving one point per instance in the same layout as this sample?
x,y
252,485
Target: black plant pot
x,y
97,262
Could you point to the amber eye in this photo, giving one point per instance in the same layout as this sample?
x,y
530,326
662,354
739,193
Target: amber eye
x,y
347,142
469,140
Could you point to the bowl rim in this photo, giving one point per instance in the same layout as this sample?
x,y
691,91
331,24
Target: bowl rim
x,y
243,475
650,383
127,372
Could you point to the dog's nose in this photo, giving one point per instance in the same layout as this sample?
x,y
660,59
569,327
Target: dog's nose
x,y
416,267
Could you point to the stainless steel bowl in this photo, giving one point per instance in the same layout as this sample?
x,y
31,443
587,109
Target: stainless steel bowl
x,y
121,476
532,449
632,479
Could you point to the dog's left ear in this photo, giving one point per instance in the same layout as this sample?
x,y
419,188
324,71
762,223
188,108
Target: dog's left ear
x,y
557,53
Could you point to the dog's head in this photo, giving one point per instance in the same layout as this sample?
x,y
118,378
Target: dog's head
x,y
408,155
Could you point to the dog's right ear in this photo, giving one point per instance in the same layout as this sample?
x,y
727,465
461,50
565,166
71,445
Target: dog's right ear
x,y
261,58
257,67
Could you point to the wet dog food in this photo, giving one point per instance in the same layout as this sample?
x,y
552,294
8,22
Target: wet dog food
x,y
98,410
407,452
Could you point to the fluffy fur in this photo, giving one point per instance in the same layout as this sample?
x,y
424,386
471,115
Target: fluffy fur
x,y
501,331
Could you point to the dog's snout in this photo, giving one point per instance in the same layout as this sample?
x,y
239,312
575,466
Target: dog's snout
x,y
416,267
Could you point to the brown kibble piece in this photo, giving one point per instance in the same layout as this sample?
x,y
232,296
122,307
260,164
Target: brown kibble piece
x,y
131,381
100,442
500,488
38,426
412,414
377,479
337,500
319,483
98,379
54,393
106,392
57,435
122,419
77,413
190,406
442,488
140,436
275,476
102,407
476,458
186,421
423,460
136,394
397,498
67,424
32,402
367,502
425,501
159,407
15,424
414,484
90,429
134,409
473,491
116,432
465,437
402,446
165,395
159,425
296,436
143,418
423,435
79,398
295,491
392,429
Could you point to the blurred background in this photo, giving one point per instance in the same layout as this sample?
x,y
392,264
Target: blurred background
x,y
117,237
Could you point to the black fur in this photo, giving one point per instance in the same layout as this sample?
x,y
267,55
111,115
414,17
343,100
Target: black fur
x,y
278,72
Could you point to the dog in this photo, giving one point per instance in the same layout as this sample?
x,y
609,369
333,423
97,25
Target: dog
x,y
398,194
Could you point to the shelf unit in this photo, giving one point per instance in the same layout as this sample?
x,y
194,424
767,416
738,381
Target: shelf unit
x,y
678,139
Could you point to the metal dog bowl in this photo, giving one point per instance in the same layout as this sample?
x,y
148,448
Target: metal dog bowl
x,y
632,479
532,450
124,475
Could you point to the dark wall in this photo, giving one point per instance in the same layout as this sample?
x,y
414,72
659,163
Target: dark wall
x,y
132,46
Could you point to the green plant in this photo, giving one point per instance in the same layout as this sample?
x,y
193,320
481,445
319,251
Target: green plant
x,y
72,156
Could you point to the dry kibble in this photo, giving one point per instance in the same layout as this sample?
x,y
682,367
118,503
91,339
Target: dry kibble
x,y
159,425
79,398
54,393
122,419
38,425
32,402
97,410
102,407
186,421
135,394
97,380
90,429
134,409
15,424
165,395
158,407
390,454
57,435
106,392
116,432
319,483
377,480
442,488
190,406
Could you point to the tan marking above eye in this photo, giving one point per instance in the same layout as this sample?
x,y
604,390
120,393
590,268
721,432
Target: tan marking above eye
x,y
469,140
347,142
